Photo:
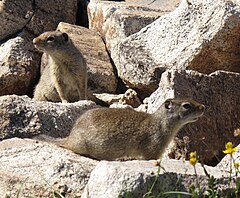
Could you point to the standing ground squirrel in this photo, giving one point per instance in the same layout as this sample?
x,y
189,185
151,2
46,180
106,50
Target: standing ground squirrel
x,y
112,134
67,67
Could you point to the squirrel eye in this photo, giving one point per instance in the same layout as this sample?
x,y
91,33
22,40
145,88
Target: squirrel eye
x,y
187,106
50,39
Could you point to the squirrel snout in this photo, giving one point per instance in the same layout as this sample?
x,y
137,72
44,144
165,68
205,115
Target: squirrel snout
x,y
202,107
35,41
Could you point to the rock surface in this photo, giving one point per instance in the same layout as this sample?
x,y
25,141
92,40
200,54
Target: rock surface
x,y
116,20
135,178
21,116
35,15
14,16
19,65
128,98
219,92
39,169
164,5
201,35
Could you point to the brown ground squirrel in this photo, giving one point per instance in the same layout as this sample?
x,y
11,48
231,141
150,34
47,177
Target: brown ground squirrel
x,y
112,134
67,67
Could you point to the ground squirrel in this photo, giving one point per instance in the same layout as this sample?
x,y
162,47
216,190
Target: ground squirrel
x,y
67,67
112,134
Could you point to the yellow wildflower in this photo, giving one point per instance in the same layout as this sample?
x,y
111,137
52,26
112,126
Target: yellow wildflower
x,y
229,148
193,158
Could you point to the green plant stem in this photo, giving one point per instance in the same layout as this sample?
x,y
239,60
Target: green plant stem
x,y
236,169
230,172
155,180
178,193
197,179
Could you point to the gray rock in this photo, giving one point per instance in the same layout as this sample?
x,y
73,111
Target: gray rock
x,y
35,15
14,16
57,11
122,106
19,65
116,20
38,169
199,35
143,107
219,92
128,98
163,5
135,178
21,116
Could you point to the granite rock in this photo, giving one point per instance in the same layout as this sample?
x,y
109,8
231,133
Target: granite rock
x,y
117,20
36,16
19,65
21,116
38,169
199,35
135,178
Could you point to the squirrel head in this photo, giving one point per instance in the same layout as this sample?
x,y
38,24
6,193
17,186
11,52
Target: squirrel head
x,y
181,111
51,41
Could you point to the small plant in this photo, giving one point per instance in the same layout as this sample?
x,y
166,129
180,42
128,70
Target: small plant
x,y
212,190
229,151
233,190
194,189
149,193
163,194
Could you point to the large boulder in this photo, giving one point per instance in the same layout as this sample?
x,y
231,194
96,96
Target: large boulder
x,y
14,16
57,11
116,20
200,35
135,179
19,65
219,92
21,116
37,169
35,15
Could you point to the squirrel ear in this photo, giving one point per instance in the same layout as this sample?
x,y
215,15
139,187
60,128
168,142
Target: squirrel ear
x,y
65,35
168,104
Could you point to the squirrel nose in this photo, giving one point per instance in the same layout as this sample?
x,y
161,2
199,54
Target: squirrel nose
x,y
202,107
35,41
